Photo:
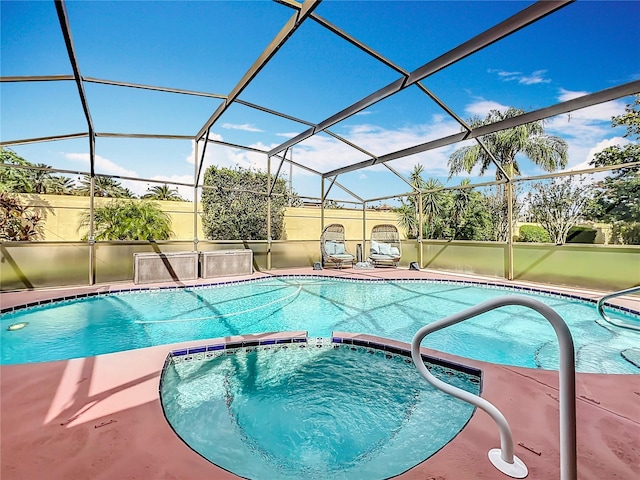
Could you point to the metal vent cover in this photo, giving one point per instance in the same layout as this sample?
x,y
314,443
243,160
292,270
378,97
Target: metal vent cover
x,y
164,267
225,263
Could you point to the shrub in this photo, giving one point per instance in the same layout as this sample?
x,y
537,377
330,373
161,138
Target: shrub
x,y
533,234
129,220
19,222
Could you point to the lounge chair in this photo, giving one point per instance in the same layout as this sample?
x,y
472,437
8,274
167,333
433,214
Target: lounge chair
x,y
385,247
333,247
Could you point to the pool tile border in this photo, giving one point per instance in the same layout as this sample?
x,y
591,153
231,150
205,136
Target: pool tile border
x,y
204,352
489,284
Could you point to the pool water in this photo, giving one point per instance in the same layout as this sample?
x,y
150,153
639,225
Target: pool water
x,y
317,412
393,309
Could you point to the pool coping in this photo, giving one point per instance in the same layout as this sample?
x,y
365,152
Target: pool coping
x,y
565,292
101,418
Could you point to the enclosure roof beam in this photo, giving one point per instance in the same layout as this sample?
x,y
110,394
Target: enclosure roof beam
x,y
37,78
333,180
257,150
290,27
68,40
584,101
516,22
26,141
525,17
339,185
117,83
578,103
399,175
150,136
273,112
357,43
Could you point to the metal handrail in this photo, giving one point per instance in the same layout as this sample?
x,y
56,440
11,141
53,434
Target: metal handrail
x,y
600,307
504,459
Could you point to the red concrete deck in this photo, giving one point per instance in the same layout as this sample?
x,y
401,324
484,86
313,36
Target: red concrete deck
x,y
101,418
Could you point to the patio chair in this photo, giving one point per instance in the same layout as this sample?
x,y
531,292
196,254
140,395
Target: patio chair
x,y
333,248
385,247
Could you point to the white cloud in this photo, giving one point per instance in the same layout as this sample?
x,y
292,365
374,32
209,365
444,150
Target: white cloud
x,y
607,142
228,157
586,130
506,76
532,79
247,127
482,107
102,165
365,112
105,166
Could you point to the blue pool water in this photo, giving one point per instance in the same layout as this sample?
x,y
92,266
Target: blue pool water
x,y
317,412
393,309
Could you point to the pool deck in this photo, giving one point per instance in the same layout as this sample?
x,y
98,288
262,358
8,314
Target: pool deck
x,y
100,417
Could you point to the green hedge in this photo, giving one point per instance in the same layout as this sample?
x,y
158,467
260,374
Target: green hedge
x,y
533,234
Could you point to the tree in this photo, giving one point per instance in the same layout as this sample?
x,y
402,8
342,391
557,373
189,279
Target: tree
x,y
332,204
474,221
558,206
498,208
163,192
129,220
617,194
432,200
103,187
461,199
409,211
407,219
630,118
40,180
616,198
546,151
60,185
13,179
19,222
235,204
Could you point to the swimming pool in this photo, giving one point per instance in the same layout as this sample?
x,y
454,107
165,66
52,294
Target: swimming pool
x,y
394,309
312,409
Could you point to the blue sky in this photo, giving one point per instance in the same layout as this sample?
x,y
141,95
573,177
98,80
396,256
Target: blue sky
x,y
208,45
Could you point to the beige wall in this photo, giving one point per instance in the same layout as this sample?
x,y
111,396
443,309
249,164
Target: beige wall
x,y
63,213
304,223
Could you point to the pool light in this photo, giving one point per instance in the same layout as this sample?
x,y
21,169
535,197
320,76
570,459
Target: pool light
x,y
17,326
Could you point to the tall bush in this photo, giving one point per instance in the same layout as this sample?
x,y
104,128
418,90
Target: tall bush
x,y
533,234
235,204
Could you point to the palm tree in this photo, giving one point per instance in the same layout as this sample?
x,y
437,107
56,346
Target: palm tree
x,y
461,199
40,180
163,192
104,187
408,219
60,185
432,203
546,151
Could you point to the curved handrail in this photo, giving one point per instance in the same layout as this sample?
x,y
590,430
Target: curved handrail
x,y
600,307
507,462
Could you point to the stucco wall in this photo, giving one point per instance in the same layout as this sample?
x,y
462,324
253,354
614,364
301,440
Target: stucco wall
x,y
63,214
